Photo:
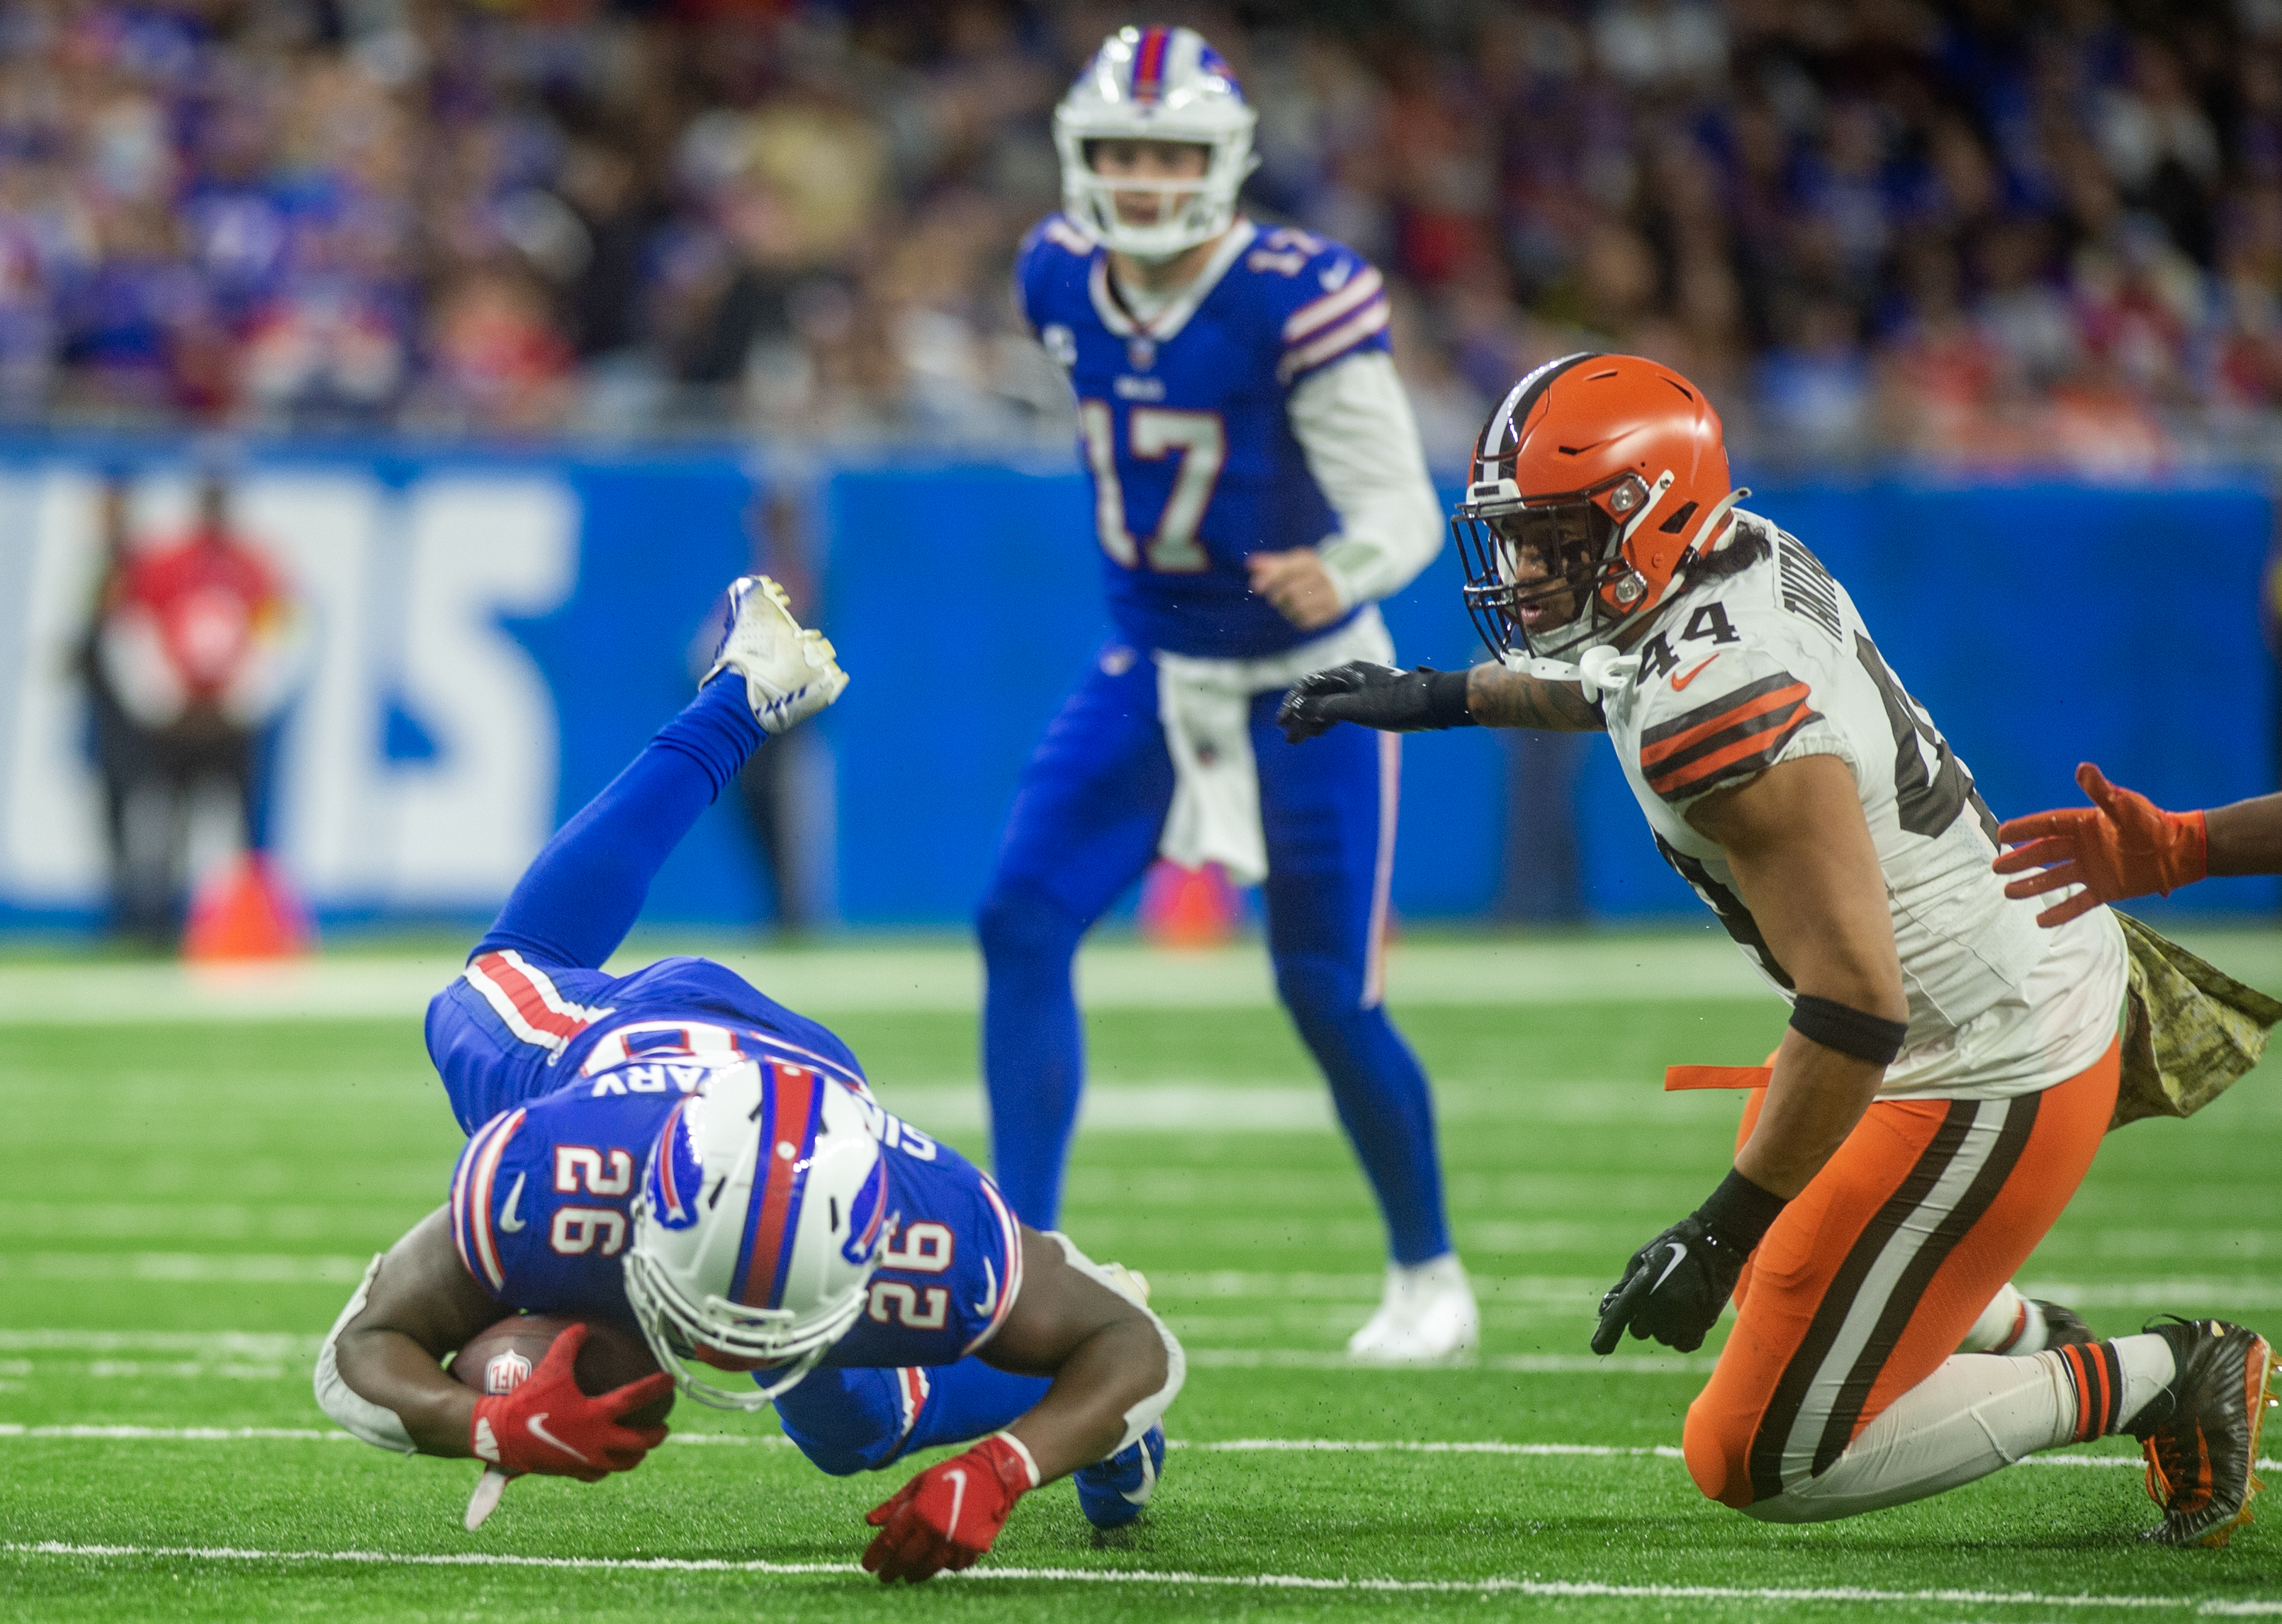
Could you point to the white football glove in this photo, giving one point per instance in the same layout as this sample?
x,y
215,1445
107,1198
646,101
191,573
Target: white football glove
x,y
789,672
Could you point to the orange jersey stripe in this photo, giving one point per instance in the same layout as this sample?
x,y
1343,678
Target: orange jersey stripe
x,y
1676,780
1664,749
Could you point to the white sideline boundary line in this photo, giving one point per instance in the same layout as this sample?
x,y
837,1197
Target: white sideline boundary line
x,y
1549,1588
89,1433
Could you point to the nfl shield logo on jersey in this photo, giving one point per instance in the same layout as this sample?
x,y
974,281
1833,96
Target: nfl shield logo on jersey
x,y
1142,353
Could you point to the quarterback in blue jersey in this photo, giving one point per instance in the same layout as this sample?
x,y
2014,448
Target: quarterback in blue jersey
x,y
674,1152
1257,485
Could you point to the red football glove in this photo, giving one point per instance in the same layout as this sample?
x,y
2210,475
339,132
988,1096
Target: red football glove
x,y
2124,846
547,1424
948,1515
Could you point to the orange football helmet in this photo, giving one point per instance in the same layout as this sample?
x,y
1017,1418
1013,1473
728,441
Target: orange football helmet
x,y
1595,480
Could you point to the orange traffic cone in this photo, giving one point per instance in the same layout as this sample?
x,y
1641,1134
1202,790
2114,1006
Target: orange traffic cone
x,y
1188,908
248,910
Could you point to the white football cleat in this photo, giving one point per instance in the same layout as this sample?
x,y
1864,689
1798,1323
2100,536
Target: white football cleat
x,y
789,672
1426,1316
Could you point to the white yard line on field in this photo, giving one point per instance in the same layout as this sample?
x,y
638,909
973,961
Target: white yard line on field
x,y
106,1433
1548,1588
948,979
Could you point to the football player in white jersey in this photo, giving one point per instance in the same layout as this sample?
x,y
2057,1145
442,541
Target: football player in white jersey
x,y
1949,1068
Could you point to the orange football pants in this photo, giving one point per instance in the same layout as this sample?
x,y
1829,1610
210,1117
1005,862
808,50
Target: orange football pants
x,y
1874,1274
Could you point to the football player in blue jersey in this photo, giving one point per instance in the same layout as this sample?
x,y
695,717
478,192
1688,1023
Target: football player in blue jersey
x,y
673,1151
1258,484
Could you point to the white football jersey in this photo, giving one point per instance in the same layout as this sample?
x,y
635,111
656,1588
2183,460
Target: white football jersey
x,y
1772,663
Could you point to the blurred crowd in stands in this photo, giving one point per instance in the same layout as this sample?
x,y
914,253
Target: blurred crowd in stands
x,y
1989,232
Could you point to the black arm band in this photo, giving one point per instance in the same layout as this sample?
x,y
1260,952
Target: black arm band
x,y
1445,698
1741,1211
1850,1031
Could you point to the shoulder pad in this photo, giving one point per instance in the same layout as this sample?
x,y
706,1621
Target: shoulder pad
x,y
1055,247
1327,300
1710,715
488,1202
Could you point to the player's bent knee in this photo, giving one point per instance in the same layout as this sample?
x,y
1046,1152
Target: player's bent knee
x,y
841,1459
1719,1455
1018,921
1317,987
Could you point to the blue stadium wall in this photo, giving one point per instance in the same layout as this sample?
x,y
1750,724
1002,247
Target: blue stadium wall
x,y
2041,623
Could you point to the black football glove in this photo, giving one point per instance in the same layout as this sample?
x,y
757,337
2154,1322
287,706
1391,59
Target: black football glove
x,y
1676,1285
1373,695
1673,1289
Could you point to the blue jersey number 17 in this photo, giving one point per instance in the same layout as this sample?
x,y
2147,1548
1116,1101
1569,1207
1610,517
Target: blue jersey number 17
x,y
1200,439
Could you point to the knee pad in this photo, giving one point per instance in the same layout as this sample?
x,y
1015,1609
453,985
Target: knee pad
x,y
845,1421
1719,1458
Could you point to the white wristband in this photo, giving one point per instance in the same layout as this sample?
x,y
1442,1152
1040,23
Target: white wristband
x,y
1029,1462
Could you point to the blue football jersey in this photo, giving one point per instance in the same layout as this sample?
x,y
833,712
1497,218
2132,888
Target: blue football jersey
x,y
508,1031
1182,420
542,1200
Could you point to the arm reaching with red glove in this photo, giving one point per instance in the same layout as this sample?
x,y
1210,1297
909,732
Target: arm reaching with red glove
x,y
2125,845
1115,1368
947,1516
547,1424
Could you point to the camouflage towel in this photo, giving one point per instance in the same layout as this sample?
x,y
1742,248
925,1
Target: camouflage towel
x,y
2189,1030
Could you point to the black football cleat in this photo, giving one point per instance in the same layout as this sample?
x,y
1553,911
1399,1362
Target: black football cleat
x,y
2200,1434
2064,1327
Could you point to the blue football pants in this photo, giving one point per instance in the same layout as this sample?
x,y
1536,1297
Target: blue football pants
x,y
1085,824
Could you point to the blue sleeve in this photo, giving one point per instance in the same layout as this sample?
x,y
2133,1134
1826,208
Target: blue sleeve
x,y
950,1267
1328,302
538,1247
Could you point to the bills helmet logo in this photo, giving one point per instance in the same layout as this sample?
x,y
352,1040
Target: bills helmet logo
x,y
866,1216
675,1174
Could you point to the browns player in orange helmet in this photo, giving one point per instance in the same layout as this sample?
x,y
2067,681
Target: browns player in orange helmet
x,y
1949,1068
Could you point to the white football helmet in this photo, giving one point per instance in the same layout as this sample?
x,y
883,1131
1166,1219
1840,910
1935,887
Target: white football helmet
x,y
756,1230
1155,84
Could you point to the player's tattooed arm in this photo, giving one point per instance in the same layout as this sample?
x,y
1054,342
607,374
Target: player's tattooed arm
x,y
1106,1356
1496,697
423,1304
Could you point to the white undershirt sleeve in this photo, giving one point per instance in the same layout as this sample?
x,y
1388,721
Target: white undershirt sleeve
x,y
1354,422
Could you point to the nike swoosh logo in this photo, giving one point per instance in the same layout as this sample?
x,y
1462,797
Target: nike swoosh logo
x,y
508,1219
957,1499
538,1426
990,1288
1686,678
1679,1256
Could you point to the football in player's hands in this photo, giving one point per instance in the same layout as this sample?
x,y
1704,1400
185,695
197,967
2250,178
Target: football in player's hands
x,y
498,1359
546,1422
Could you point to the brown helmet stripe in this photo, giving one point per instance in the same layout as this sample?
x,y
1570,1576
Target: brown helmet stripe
x,y
1516,410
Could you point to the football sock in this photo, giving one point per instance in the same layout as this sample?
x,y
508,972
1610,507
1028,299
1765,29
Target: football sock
x,y
1033,1046
1976,1415
2109,1383
2011,1324
1381,1095
576,902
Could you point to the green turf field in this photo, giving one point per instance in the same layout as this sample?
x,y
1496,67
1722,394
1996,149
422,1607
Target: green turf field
x,y
195,1174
